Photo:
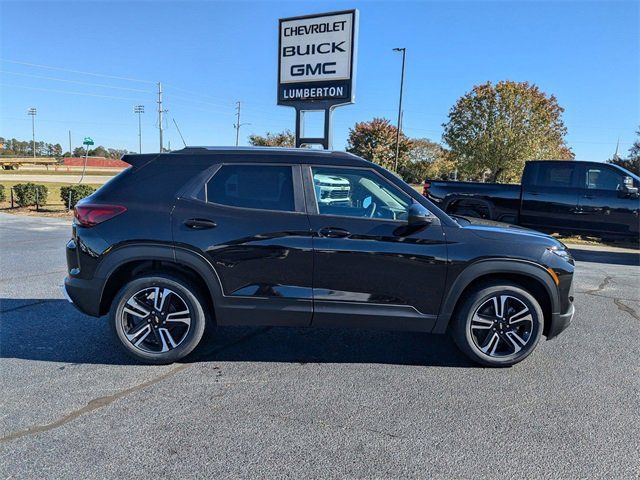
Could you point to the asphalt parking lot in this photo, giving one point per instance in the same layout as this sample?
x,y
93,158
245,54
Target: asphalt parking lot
x,y
314,403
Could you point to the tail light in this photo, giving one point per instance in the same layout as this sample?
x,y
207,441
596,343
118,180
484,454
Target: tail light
x,y
427,186
90,215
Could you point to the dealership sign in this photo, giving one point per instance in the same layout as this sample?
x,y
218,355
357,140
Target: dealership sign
x,y
316,58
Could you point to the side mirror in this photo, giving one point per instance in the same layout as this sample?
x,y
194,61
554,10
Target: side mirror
x,y
418,216
627,187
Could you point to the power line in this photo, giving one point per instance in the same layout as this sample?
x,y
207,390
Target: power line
x,y
84,94
75,81
223,101
200,102
69,121
50,67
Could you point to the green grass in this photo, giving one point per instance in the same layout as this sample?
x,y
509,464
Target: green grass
x,y
54,191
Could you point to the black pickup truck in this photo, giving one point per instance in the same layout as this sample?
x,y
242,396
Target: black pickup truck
x,y
557,196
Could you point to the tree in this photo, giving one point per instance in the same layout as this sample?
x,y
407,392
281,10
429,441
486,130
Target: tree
x,y
376,141
116,153
99,151
281,139
426,159
78,152
632,162
496,128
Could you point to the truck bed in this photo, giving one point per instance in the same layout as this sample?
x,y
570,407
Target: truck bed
x,y
494,201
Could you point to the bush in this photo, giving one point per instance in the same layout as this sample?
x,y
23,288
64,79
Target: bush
x,y
3,194
414,172
27,193
76,192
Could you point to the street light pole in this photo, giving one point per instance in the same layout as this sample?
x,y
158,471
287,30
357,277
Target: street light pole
x,y
404,52
32,111
139,109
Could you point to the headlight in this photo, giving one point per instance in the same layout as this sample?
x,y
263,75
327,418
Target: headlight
x,y
561,252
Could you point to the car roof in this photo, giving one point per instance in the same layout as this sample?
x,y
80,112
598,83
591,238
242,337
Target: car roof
x,y
254,155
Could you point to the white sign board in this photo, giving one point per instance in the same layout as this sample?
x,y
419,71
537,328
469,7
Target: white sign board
x,y
316,57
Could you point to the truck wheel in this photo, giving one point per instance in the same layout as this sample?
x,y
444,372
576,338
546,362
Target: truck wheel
x,y
158,318
498,325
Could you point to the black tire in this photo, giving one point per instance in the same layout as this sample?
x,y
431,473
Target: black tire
x,y
159,336
495,340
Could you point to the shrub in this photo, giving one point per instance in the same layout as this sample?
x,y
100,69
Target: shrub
x,y
3,194
76,192
27,193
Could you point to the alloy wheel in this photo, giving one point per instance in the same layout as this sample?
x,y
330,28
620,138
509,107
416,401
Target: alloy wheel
x,y
155,320
502,326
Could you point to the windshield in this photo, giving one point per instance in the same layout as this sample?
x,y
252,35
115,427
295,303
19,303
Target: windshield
x,y
636,178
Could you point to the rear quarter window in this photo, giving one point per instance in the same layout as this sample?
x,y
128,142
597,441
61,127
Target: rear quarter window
x,y
157,182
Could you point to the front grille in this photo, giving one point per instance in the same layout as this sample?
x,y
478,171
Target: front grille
x,y
339,194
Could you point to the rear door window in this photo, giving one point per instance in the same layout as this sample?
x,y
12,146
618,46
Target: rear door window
x,y
263,187
558,176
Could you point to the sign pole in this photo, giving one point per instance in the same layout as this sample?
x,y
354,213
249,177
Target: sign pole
x,y
86,142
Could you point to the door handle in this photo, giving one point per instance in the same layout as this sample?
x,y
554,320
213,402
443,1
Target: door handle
x,y
588,196
333,232
534,194
200,223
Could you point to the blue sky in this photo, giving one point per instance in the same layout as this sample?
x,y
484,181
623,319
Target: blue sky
x,y
211,54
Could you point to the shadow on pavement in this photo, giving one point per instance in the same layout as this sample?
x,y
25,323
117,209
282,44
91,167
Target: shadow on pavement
x,y
614,258
54,331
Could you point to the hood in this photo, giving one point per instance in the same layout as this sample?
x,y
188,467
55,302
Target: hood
x,y
492,230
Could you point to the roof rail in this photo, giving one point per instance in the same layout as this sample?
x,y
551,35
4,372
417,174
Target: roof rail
x,y
204,149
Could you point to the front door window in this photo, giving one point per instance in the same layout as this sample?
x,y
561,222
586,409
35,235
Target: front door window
x,y
352,192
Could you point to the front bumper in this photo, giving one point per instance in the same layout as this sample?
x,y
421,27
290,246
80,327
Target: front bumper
x,y
560,321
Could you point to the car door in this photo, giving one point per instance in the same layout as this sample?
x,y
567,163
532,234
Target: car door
x,y
248,221
370,269
604,207
550,197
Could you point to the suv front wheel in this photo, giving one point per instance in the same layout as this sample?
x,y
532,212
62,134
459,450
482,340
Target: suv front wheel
x,y
498,325
158,318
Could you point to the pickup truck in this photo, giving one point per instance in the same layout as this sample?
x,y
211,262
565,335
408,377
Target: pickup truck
x,y
590,198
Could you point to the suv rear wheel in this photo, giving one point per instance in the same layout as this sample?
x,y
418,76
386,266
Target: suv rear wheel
x,y
498,325
158,318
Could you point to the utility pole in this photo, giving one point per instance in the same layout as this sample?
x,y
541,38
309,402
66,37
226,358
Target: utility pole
x,y
139,109
70,151
404,52
160,112
237,125
33,112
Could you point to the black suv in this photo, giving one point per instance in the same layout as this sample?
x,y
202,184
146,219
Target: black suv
x,y
302,237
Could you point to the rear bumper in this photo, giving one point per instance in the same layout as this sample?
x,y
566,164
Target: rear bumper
x,y
84,294
560,321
